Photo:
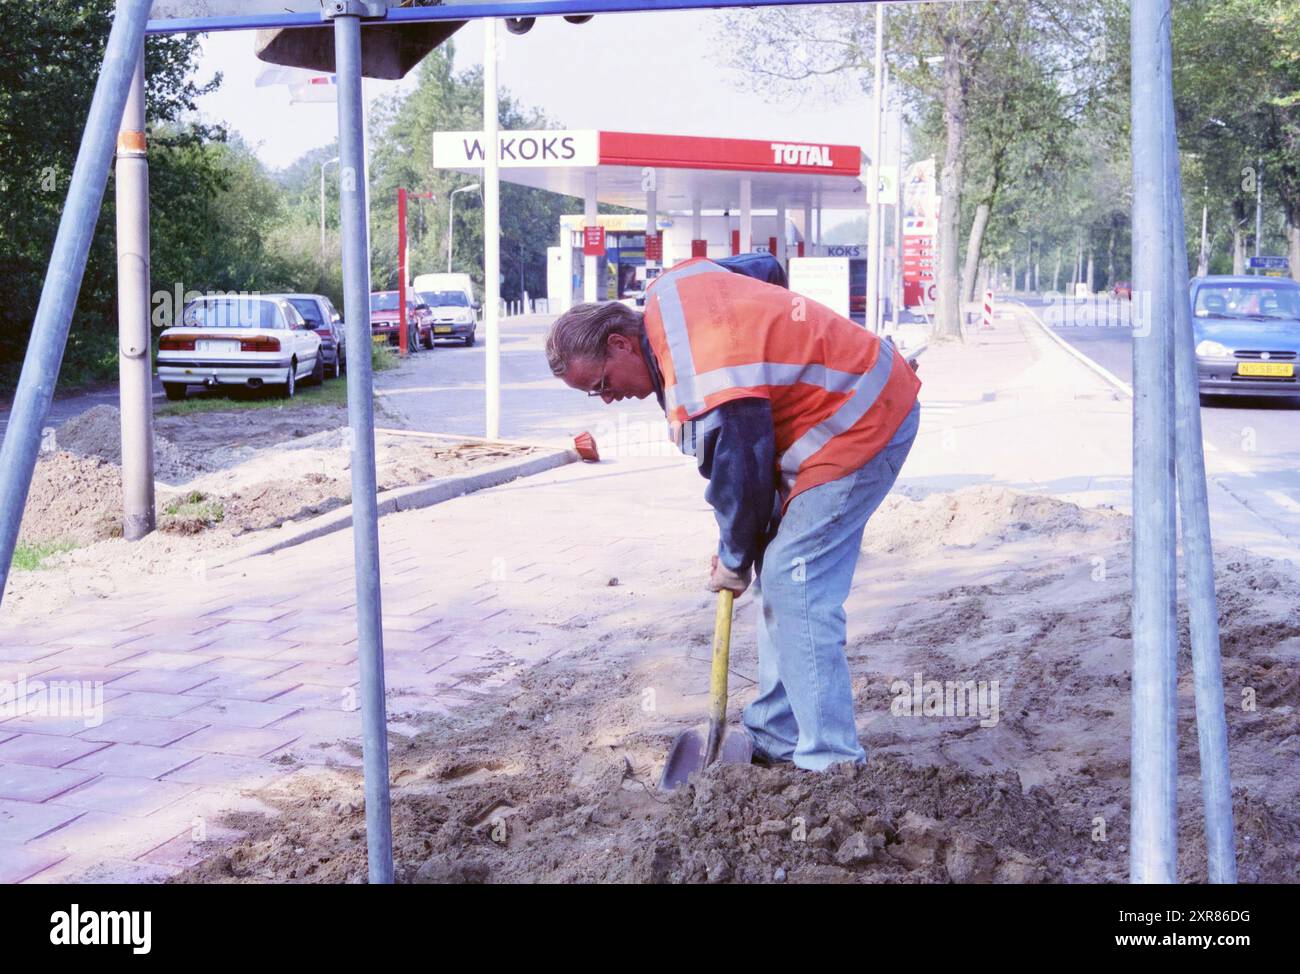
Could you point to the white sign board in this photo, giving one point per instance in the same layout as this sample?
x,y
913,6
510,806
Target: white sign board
x,y
518,150
823,279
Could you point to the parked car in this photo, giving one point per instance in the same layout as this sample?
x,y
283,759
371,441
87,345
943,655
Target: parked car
x,y
453,315
1122,289
321,314
385,319
1247,334
238,339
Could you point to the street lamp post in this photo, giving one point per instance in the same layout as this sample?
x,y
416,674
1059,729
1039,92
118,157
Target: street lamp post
x,y
322,201
451,226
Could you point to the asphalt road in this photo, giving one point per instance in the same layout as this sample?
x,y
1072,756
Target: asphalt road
x,y
1252,444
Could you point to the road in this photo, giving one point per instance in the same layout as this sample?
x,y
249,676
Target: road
x,y
64,408
1252,444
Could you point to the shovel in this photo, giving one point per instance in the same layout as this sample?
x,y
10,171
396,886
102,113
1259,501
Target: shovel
x,y
699,747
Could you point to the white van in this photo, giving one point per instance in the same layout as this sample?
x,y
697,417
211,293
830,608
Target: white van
x,y
450,298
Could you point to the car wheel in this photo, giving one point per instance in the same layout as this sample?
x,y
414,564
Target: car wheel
x,y
338,367
469,339
174,390
290,381
318,371
428,342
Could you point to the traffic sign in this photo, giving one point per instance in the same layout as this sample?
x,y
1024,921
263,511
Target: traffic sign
x,y
1269,264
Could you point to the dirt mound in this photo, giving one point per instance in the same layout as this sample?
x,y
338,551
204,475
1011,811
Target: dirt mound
x,y
98,433
982,515
72,498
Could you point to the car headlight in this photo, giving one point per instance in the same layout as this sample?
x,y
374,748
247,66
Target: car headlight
x,y
1209,349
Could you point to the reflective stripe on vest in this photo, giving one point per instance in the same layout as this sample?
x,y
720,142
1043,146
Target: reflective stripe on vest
x,y
864,396
684,391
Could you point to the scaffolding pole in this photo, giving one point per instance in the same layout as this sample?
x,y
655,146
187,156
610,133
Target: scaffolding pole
x,y
346,15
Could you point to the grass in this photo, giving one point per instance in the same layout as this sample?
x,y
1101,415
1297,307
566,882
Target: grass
x,y
30,556
382,357
333,392
196,505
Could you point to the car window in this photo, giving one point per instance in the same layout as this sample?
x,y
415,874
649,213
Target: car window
x,y
1247,301
309,309
445,299
386,301
290,315
234,312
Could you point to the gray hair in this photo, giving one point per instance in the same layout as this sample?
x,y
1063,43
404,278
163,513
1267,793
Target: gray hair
x,y
583,332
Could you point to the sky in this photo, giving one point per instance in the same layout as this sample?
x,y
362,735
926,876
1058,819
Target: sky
x,y
641,72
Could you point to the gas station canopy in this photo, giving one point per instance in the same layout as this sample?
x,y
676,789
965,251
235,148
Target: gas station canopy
x,y
688,170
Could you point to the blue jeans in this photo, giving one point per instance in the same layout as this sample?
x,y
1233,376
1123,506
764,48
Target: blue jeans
x,y
804,709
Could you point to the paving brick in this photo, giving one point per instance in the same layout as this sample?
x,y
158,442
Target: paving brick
x,y
42,724
251,630
89,656
238,687
318,725
156,660
163,681
157,731
103,835
185,851
173,642
229,770
46,750
123,795
252,613
30,783
24,652
95,634
244,741
139,703
136,760
22,821
243,647
242,713
320,697
248,668
18,862
82,869
325,674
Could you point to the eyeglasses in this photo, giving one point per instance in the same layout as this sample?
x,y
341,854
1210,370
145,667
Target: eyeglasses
x,y
600,389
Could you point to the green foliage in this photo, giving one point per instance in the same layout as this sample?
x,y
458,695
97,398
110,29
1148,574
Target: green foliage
x,y
332,392
30,557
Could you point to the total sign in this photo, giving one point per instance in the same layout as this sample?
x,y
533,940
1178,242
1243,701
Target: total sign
x,y
518,150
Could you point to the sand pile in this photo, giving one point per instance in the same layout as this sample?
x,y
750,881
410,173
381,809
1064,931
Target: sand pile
x,y
72,498
98,433
984,515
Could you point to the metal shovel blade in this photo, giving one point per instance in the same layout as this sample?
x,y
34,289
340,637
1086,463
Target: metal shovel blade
x,y
687,754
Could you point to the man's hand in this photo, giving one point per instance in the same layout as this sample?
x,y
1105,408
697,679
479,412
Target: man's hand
x,y
721,577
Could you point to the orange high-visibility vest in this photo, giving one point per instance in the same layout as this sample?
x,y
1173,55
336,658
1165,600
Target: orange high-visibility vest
x,y
838,393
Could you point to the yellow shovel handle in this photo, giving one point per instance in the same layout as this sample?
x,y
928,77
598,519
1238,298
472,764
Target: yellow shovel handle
x,y
721,657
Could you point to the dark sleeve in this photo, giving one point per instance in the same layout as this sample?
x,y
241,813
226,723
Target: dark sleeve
x,y
736,451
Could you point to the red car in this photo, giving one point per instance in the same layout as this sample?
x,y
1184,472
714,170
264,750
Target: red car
x,y
385,319
1122,290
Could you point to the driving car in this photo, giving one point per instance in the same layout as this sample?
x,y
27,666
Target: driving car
x,y
321,314
1247,334
453,315
385,319
239,339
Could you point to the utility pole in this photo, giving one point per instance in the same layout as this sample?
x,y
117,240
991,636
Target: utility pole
x,y
134,373
1259,206
492,230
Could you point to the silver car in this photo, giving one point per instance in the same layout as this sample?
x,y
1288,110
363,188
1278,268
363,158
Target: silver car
x,y
238,339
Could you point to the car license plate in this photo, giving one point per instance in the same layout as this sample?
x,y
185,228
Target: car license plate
x,y
1276,369
216,345
379,339
442,329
